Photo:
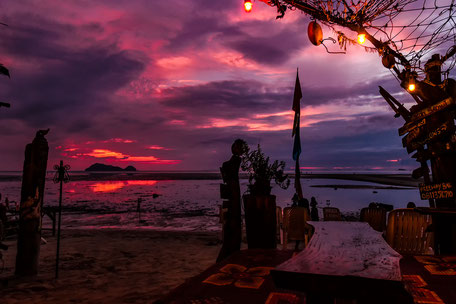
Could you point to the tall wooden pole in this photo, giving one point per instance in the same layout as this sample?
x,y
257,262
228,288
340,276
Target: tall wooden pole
x,y
32,194
61,176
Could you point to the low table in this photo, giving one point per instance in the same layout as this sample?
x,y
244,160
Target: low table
x,y
344,260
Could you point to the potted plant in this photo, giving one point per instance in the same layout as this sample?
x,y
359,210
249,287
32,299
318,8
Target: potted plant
x,y
259,204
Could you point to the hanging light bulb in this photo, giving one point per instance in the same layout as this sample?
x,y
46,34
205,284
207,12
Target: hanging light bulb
x,y
411,84
248,6
361,38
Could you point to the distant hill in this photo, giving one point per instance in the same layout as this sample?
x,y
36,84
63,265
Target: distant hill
x,y
103,167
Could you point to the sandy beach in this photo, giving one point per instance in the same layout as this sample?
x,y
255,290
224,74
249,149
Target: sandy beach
x,y
110,266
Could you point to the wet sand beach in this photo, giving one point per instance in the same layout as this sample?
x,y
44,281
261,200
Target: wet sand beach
x,y
110,266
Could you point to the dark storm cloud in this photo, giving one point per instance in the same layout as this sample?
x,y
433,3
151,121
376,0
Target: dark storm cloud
x,y
272,49
226,99
67,82
245,99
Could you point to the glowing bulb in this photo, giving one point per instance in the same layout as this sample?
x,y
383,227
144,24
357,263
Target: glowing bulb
x,y
248,6
361,38
411,87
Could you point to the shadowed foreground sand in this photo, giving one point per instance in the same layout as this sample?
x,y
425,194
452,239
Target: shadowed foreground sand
x,y
110,266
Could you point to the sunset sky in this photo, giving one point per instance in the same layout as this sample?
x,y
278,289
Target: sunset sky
x,y
169,85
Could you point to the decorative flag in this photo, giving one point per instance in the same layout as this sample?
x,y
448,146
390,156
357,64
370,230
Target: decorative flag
x,y
296,123
297,139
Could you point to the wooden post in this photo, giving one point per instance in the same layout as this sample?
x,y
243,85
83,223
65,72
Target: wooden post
x,y
32,194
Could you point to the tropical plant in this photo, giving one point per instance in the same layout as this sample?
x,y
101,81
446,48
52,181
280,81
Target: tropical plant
x,y
261,172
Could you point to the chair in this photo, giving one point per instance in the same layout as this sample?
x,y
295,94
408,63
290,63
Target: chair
x,y
376,217
279,223
407,232
295,225
331,214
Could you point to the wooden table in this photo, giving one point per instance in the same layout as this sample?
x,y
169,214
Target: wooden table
x,y
248,276
345,260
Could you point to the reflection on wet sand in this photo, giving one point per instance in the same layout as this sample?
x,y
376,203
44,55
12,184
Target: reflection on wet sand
x,y
110,186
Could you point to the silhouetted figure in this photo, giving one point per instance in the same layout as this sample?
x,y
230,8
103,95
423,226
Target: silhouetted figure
x,y
3,209
295,200
314,210
232,231
411,205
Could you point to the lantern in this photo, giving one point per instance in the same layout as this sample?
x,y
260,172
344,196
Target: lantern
x,y
248,6
388,61
315,33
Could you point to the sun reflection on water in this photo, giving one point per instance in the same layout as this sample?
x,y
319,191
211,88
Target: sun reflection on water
x,y
110,186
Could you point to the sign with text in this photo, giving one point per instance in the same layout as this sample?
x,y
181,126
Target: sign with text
x,y
409,126
433,109
413,135
436,191
432,135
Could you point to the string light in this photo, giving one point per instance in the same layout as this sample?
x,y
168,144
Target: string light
x,y
248,6
411,84
361,38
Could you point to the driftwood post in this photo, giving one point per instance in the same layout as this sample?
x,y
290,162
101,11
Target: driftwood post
x,y
32,193
232,227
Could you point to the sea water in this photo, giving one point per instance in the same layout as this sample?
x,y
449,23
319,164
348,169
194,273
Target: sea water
x,y
190,205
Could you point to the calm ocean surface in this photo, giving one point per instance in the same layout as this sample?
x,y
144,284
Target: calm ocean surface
x,y
188,204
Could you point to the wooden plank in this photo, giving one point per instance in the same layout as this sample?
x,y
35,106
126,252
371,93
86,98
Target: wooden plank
x,y
413,135
422,155
397,107
441,130
436,191
433,109
409,126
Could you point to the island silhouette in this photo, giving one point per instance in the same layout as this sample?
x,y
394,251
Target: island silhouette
x,y
104,167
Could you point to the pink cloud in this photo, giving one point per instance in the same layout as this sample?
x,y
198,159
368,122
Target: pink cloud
x,y
155,147
119,140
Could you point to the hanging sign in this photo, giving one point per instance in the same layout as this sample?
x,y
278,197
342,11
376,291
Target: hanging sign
x,y
413,135
436,191
441,130
411,125
433,109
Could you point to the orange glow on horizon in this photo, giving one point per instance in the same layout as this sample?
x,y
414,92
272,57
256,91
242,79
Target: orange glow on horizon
x,y
103,153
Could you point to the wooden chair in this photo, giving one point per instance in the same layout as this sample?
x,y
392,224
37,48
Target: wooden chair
x,y
295,227
279,223
407,232
376,217
331,214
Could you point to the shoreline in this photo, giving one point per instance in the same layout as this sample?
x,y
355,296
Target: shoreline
x,y
385,179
